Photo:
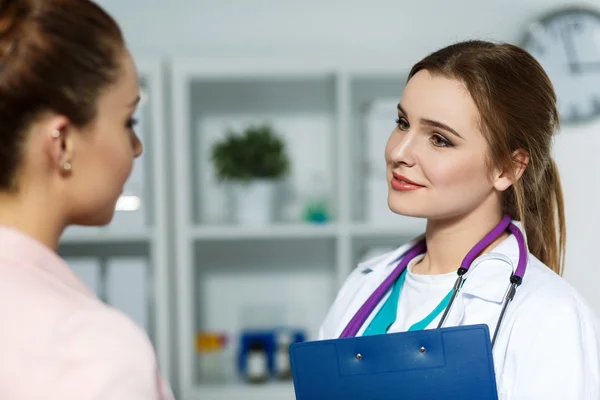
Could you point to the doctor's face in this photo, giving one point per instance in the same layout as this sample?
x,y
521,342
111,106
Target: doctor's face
x,y
436,155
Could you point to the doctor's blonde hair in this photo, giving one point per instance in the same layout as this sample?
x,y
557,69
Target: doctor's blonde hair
x,y
517,107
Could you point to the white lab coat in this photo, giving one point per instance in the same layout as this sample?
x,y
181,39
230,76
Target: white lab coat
x,y
548,343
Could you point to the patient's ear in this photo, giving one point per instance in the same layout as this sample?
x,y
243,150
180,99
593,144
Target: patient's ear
x,y
58,143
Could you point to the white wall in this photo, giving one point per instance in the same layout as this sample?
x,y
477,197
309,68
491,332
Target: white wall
x,y
395,31
576,153
390,29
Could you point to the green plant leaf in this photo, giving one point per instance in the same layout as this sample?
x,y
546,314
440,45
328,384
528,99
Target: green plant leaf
x,y
256,153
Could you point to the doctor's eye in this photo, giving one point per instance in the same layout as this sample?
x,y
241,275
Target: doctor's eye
x,y
440,141
402,123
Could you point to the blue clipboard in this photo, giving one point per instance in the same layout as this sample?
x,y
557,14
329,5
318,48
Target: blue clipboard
x,y
447,363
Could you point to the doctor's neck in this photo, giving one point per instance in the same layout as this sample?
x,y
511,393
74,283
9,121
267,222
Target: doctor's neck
x,y
449,241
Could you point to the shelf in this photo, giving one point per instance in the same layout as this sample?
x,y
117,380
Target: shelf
x,y
300,108
286,273
401,226
275,231
80,235
288,282
267,391
258,68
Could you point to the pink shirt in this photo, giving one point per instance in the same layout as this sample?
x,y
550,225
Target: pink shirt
x,y
58,341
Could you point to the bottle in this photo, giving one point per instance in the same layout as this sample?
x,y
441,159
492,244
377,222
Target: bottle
x,y
283,369
211,363
317,209
257,368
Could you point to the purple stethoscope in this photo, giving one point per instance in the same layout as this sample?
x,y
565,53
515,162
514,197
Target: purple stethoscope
x,y
515,279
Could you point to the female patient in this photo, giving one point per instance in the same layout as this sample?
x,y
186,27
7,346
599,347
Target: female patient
x,y
473,145
68,90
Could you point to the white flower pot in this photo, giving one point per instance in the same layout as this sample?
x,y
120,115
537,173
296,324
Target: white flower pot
x,y
253,202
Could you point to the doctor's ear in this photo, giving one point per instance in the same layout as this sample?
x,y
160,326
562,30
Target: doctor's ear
x,y
507,177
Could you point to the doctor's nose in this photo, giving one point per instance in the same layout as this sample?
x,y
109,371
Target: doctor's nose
x,y
401,149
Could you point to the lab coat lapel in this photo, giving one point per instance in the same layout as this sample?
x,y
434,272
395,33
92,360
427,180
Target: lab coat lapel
x,y
371,283
456,315
487,279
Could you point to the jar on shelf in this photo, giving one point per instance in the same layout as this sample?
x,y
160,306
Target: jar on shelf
x,y
257,363
283,369
211,358
316,208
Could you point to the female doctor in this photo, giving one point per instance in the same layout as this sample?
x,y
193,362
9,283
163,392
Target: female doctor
x,y
68,90
471,153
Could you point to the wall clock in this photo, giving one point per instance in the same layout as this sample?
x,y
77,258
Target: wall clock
x,y
566,42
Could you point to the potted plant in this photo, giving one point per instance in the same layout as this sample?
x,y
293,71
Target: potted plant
x,y
251,163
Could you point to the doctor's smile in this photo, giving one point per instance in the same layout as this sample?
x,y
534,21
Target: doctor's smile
x,y
403,184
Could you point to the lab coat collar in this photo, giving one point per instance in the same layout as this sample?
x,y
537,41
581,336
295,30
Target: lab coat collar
x,y
488,277
375,270
23,250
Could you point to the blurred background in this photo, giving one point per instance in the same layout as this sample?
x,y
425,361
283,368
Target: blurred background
x,y
262,184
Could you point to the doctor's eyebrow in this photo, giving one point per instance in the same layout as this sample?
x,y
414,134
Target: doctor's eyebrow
x,y
433,123
402,110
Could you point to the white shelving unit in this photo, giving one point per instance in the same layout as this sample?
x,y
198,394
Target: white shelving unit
x,y
270,391
227,274
145,235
